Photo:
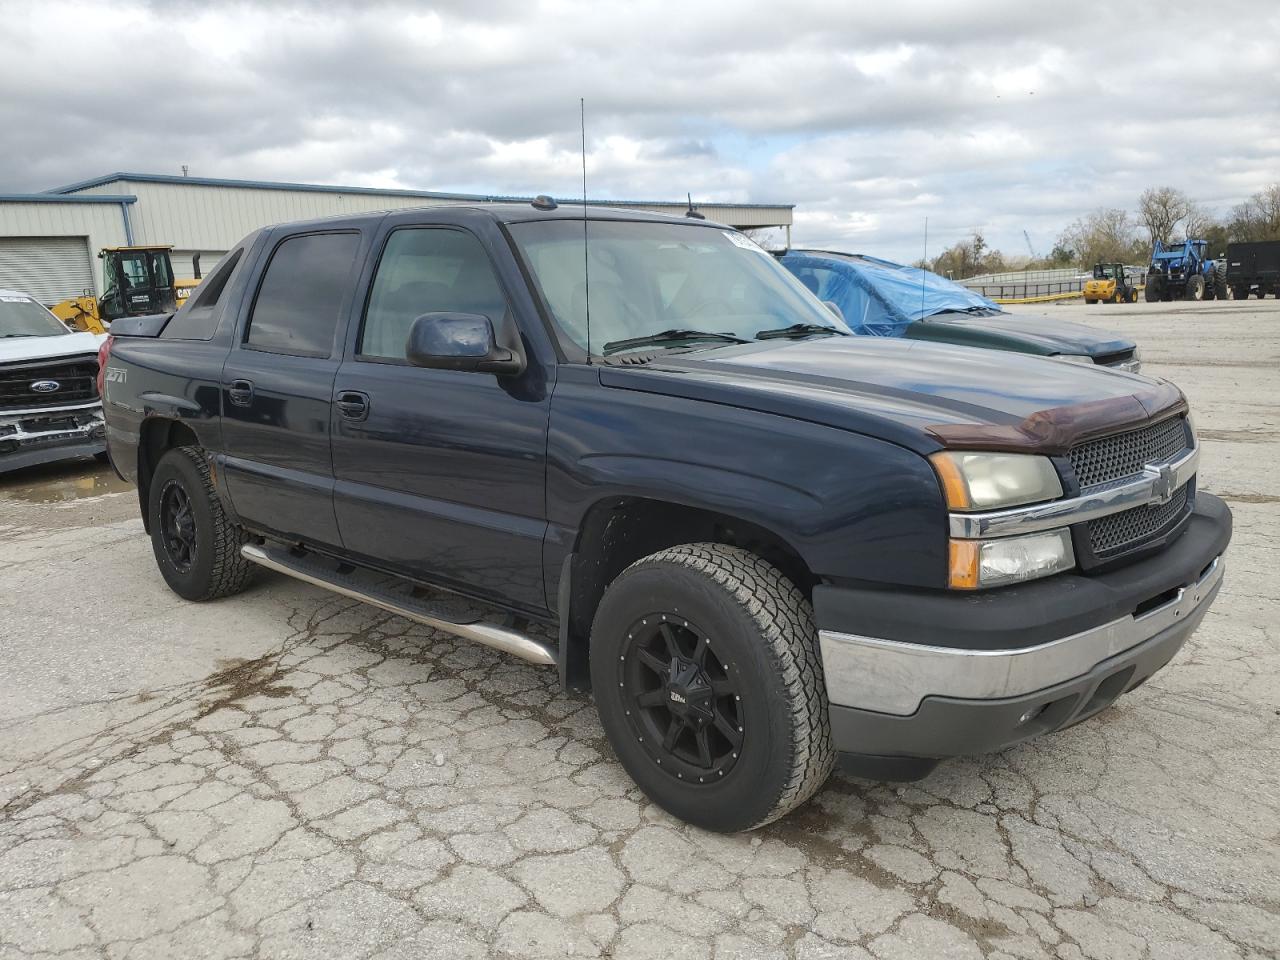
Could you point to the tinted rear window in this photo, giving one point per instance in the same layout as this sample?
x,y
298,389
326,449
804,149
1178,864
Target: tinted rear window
x,y
301,296
199,320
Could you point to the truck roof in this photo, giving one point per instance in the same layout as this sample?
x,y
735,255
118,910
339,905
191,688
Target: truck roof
x,y
507,213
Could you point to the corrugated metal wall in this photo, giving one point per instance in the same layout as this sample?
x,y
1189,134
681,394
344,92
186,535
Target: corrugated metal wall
x,y
95,225
197,216
213,218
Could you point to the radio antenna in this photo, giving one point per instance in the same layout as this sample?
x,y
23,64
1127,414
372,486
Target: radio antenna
x,y
924,265
586,269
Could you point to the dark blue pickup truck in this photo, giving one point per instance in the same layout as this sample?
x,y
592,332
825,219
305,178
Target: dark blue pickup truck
x,y
765,545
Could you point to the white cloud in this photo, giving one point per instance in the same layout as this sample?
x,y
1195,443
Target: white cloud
x,y
1000,116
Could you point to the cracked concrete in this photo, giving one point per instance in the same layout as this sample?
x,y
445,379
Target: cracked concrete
x,y
291,774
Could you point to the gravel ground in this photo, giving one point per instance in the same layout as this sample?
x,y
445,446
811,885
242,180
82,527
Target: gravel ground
x,y
289,774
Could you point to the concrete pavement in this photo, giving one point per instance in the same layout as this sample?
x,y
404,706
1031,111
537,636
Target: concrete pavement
x,y
290,774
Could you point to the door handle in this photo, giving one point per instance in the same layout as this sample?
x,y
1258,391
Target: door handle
x,y
353,405
241,392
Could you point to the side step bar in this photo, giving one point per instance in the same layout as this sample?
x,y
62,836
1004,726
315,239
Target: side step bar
x,y
323,573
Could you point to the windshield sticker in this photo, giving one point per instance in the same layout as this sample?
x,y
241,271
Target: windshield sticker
x,y
15,300
743,241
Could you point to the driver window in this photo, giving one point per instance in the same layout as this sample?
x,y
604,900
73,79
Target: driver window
x,y
426,270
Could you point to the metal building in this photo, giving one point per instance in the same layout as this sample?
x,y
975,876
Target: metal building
x,y
49,241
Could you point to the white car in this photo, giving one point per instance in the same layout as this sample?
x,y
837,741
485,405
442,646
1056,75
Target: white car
x,y
49,403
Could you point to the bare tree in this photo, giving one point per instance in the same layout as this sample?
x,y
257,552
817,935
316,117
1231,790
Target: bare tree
x,y
1199,221
1107,235
1258,218
1161,209
969,258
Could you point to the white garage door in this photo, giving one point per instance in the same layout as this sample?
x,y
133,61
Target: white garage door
x,y
48,268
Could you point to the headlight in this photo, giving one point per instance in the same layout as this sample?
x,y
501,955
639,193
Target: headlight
x,y
1073,357
975,564
985,481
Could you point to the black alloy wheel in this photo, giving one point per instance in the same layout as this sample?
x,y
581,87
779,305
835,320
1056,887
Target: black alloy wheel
x,y
178,526
683,702
196,546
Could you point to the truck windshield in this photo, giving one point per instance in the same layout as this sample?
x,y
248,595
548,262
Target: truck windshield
x,y
23,317
647,279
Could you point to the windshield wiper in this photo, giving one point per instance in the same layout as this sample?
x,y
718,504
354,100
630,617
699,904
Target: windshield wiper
x,y
799,330
671,336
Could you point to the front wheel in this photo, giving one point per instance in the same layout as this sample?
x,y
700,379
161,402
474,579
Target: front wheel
x,y
196,546
708,679
1195,288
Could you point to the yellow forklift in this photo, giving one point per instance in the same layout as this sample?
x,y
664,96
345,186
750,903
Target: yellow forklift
x,y
138,280
1109,284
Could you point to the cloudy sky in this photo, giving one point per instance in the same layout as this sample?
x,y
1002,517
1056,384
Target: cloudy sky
x,y
997,116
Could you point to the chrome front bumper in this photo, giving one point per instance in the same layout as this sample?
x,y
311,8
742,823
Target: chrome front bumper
x,y
892,677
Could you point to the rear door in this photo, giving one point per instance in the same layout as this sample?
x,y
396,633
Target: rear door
x,y
277,385
440,474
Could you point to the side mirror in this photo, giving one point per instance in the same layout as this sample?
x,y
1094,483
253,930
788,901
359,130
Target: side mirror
x,y
465,341
834,308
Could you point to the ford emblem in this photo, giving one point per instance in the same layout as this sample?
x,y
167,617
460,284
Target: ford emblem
x,y
45,386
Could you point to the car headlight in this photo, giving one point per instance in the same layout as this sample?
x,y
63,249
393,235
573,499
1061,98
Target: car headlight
x,y
1073,357
976,564
987,481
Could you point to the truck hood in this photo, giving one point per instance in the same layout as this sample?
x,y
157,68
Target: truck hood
x,y
924,396
42,348
1046,335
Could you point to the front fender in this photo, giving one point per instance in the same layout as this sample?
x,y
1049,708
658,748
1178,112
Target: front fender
x,y
851,506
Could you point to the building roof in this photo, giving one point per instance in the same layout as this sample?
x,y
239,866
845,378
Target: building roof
x,y
386,192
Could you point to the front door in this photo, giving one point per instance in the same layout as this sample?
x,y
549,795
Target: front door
x,y
277,385
440,474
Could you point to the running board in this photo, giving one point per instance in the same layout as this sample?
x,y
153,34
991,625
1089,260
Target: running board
x,y
318,570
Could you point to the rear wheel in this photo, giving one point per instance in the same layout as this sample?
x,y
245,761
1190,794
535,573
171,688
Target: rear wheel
x,y
1220,285
196,547
707,675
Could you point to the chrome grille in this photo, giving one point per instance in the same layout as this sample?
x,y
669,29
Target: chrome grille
x,y
1113,458
75,378
1117,532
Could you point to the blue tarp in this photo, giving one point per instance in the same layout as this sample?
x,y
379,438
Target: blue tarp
x,y
879,298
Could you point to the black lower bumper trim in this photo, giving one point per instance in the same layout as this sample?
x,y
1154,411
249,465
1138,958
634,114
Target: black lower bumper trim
x,y
949,727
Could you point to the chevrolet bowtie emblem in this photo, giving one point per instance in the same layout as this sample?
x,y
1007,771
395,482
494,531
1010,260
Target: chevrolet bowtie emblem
x,y
1163,480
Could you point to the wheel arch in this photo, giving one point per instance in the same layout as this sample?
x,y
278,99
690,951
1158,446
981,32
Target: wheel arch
x,y
618,530
156,437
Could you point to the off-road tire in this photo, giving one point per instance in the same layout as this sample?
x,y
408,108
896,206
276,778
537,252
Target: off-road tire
x,y
764,624
1087,300
217,569
1220,285
1195,289
1153,290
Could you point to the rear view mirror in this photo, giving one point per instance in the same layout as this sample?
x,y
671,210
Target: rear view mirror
x,y
834,308
465,341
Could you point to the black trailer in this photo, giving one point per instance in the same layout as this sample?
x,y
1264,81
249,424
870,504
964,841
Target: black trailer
x,y
1254,267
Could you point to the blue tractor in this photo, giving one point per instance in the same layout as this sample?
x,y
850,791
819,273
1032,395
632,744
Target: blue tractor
x,y
1184,270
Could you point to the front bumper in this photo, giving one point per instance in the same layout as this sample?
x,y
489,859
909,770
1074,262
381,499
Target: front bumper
x,y
31,437
952,675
